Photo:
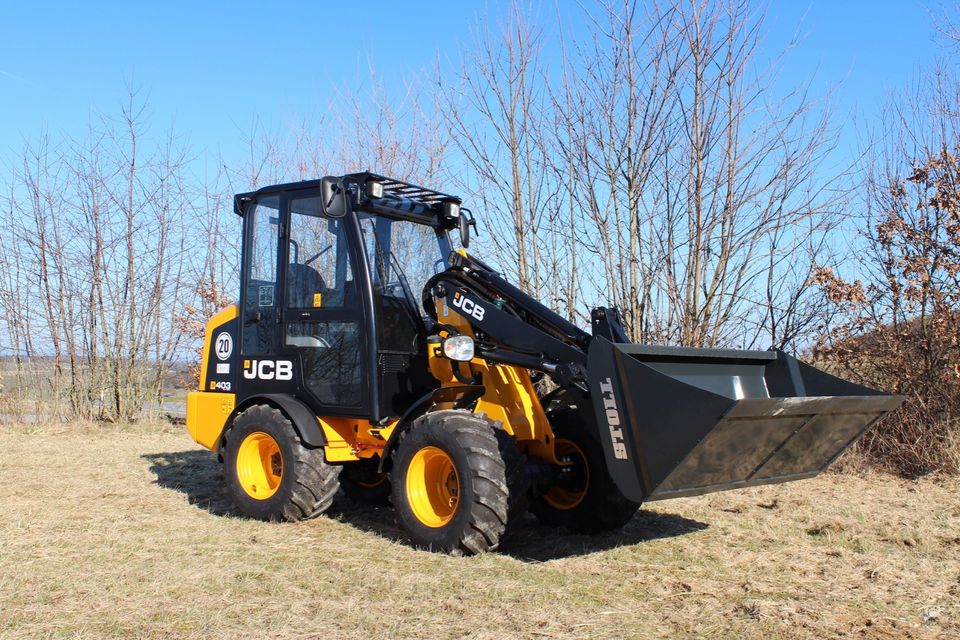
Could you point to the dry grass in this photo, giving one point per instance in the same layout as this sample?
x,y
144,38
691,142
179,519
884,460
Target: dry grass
x,y
125,533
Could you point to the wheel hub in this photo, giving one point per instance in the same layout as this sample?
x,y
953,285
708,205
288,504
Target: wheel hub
x,y
259,465
433,486
574,477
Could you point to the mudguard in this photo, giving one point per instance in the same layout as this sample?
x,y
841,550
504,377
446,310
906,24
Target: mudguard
x,y
304,420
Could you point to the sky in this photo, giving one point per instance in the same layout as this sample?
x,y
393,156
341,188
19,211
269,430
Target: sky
x,y
211,69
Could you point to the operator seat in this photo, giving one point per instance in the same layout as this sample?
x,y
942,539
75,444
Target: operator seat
x,y
303,281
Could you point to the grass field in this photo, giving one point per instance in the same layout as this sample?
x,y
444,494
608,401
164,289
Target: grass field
x,y
125,533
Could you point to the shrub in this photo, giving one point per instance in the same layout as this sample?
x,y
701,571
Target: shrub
x,y
900,331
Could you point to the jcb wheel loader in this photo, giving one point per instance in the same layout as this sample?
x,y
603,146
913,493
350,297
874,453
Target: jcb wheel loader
x,y
364,353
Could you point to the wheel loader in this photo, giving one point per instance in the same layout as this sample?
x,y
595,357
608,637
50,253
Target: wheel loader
x,y
368,356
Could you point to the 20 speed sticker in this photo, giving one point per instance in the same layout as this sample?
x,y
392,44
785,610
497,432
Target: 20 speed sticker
x,y
223,345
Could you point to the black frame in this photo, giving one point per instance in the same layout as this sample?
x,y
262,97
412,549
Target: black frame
x,y
364,316
400,201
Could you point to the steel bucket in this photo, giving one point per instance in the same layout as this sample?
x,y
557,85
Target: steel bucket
x,y
677,421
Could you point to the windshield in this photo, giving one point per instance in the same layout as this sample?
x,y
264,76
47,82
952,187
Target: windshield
x,y
402,255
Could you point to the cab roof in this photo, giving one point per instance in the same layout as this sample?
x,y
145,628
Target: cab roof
x,y
397,189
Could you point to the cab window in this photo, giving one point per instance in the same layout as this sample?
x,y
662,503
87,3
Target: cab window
x,y
319,274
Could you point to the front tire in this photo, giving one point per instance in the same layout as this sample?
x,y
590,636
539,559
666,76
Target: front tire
x,y
458,482
584,497
270,474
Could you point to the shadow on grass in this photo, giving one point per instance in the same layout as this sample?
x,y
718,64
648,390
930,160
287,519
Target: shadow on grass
x,y
530,541
533,542
197,475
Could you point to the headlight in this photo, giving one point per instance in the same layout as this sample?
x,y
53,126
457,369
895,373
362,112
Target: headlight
x,y
459,348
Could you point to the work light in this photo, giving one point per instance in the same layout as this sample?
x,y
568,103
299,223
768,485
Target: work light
x,y
459,348
374,189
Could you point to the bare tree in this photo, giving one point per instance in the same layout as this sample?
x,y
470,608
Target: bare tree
x,y
691,193
743,197
623,93
947,24
99,234
499,121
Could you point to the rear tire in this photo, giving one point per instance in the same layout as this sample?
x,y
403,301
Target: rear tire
x,y
585,498
270,474
458,482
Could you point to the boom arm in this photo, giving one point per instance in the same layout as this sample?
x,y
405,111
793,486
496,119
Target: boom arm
x,y
510,326
672,421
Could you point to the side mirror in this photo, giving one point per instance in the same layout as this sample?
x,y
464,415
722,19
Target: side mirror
x,y
465,231
333,197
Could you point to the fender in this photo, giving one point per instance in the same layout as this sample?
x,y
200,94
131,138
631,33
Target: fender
x,y
304,421
460,396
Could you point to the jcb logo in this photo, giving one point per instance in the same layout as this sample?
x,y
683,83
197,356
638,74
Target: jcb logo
x,y
268,369
469,307
613,420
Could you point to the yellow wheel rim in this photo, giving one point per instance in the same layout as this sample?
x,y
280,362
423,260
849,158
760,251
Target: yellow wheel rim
x,y
433,487
259,465
570,491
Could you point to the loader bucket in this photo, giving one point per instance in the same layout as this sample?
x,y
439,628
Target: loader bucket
x,y
676,421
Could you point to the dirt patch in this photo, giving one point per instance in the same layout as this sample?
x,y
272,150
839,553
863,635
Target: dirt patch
x,y
119,534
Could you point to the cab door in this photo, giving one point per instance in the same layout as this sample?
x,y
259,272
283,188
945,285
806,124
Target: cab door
x,y
323,308
260,288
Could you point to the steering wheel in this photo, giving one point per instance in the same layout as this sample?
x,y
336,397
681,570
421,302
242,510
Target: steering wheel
x,y
395,289
323,342
309,260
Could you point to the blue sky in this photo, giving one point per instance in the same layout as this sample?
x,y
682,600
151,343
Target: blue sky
x,y
212,68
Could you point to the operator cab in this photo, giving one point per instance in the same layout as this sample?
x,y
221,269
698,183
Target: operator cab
x,y
330,292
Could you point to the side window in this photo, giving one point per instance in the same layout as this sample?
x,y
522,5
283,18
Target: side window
x,y
263,251
330,351
319,274
401,254
261,284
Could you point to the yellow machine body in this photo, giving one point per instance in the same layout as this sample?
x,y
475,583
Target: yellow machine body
x,y
509,395
209,409
352,439
207,414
